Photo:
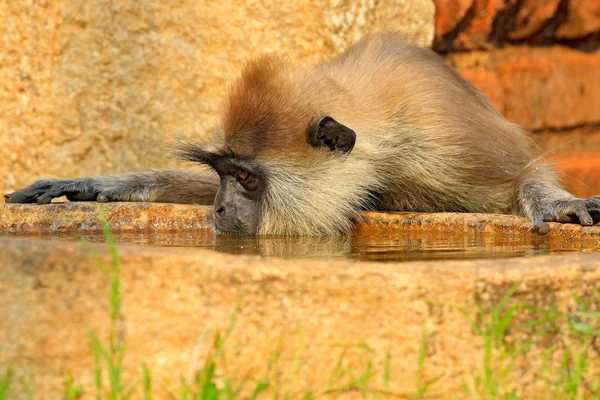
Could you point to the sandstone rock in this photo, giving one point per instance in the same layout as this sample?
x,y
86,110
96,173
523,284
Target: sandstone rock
x,y
89,88
31,219
86,216
482,24
187,225
351,20
52,294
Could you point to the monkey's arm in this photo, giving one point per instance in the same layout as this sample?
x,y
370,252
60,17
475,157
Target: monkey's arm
x,y
168,186
541,199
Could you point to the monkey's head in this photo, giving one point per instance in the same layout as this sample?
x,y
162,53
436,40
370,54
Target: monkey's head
x,y
286,165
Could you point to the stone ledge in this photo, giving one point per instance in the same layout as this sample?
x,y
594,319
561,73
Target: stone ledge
x,y
122,217
471,223
86,217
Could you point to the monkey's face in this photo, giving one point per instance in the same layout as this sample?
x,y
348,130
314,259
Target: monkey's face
x,y
286,167
305,192
238,201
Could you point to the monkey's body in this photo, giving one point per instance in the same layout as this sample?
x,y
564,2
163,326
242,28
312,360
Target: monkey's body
x,y
435,141
385,125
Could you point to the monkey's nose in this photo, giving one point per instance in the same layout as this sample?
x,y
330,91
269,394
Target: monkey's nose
x,y
220,210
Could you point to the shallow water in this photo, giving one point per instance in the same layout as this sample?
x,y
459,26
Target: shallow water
x,y
397,246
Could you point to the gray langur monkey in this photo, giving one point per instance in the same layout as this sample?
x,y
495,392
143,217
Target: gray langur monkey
x,y
383,126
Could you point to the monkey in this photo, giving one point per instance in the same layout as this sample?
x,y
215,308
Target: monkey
x,y
385,125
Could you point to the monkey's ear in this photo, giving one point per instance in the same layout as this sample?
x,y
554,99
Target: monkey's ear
x,y
327,132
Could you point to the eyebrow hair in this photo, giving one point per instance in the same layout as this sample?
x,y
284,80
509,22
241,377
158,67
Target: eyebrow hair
x,y
194,152
217,160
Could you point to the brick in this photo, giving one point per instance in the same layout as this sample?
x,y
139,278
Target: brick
x,y
580,173
576,157
476,35
531,17
478,21
488,83
473,24
554,88
538,88
583,19
482,24
448,13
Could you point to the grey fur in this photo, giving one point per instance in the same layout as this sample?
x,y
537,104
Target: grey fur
x,y
162,186
540,197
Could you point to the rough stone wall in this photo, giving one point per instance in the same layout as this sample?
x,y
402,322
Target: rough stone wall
x,y
539,62
479,24
99,86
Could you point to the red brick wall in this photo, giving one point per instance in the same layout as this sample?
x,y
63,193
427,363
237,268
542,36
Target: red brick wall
x,y
539,63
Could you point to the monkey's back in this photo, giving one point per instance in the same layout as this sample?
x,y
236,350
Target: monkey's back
x,y
440,144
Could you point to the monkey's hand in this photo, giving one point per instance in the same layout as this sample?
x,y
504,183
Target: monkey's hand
x,y
44,190
164,186
580,211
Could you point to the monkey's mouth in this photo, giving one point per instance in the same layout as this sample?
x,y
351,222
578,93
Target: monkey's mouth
x,y
233,227
233,232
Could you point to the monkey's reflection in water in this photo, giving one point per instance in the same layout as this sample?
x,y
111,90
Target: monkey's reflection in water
x,y
286,246
266,246
380,246
364,244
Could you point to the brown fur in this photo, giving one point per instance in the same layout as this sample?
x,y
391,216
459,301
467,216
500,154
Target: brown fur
x,y
426,139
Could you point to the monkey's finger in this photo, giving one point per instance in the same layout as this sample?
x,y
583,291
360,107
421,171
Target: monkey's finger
x,y
47,197
577,208
106,197
595,216
19,197
584,216
540,226
565,219
31,193
57,189
593,203
593,206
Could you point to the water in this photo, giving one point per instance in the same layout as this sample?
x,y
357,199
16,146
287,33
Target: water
x,y
364,246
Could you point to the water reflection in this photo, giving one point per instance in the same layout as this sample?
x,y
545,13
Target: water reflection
x,y
364,245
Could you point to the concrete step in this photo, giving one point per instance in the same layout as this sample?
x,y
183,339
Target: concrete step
x,y
53,293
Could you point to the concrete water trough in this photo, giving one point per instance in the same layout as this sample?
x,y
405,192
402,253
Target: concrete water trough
x,y
400,278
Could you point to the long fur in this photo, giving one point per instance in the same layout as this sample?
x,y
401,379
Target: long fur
x,y
426,139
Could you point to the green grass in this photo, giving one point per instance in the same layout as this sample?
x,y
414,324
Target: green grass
x,y
570,377
571,363
507,328
5,381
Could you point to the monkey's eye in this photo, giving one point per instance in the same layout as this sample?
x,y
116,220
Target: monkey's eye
x,y
241,175
247,180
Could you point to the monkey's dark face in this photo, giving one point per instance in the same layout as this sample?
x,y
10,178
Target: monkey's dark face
x,y
238,201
